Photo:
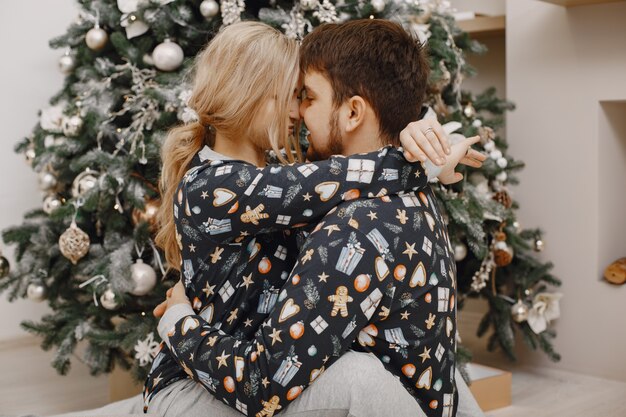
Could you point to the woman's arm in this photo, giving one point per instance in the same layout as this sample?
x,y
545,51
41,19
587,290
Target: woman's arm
x,y
228,199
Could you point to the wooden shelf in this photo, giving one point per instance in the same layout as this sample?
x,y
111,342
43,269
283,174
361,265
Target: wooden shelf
x,y
572,3
483,26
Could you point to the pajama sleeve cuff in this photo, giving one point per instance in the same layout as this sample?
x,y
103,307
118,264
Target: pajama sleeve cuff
x,y
171,317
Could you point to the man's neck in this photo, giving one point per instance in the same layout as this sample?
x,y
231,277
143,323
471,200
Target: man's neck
x,y
364,140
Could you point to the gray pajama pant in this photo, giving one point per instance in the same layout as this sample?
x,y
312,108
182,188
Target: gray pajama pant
x,y
356,385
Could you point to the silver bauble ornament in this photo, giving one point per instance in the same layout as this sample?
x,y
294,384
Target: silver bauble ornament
x,y
309,4
67,63
539,245
109,300
209,8
5,267
30,155
72,125
47,181
51,203
460,252
84,182
74,243
519,311
378,5
96,38
143,276
168,56
36,292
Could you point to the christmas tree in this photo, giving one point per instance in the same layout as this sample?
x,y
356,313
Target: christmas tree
x,y
89,251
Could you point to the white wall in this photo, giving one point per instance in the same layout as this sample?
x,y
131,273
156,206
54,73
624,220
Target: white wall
x,y
562,64
28,78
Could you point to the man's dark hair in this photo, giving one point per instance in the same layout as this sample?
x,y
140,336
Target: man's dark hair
x,y
375,59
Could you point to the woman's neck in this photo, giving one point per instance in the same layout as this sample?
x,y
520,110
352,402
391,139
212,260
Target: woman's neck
x,y
241,149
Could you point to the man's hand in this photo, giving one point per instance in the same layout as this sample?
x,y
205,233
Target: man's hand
x,y
461,152
175,295
425,139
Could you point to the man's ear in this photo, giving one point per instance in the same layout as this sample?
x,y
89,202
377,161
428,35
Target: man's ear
x,y
356,108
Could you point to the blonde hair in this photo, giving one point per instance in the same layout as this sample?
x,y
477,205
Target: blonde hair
x,y
244,65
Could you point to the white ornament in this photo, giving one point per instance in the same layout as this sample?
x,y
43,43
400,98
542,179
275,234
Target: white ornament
x,y
96,38
84,182
168,56
460,252
67,63
30,155
502,162
308,4
51,203
477,123
144,278
502,176
545,309
378,5
490,146
52,118
495,154
146,350
231,11
209,9
47,181
108,299
72,125
36,292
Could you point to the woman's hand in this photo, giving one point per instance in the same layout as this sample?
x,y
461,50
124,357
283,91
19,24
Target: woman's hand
x,y
174,295
425,139
460,152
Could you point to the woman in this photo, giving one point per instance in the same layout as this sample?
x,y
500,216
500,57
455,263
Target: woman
x,y
232,271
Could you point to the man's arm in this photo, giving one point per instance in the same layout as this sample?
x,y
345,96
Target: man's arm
x,y
332,293
226,198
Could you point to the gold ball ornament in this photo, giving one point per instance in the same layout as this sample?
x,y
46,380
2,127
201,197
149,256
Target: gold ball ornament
x,y
469,111
74,243
168,56
5,267
503,254
47,181
36,292
148,214
51,203
30,155
519,311
72,125
67,63
96,38
539,245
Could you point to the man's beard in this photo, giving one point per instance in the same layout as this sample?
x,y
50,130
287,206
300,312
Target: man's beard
x,y
334,145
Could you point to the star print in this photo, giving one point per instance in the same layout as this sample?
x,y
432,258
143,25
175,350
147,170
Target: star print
x,y
192,248
402,216
265,382
212,341
332,228
372,215
326,358
156,380
233,316
417,173
244,233
425,355
237,343
405,315
247,323
208,289
276,336
216,255
307,197
191,357
307,256
410,250
247,280
222,359
323,277
431,321
205,194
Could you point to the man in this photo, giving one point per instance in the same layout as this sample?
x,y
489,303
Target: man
x,y
376,275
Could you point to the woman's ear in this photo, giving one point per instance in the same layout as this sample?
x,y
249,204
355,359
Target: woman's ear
x,y
356,108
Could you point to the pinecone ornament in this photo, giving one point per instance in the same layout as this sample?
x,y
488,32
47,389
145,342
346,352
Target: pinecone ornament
x,y
503,198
